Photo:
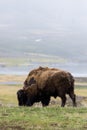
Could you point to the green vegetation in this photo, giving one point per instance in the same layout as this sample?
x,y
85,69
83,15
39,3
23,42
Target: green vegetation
x,y
12,61
30,59
47,118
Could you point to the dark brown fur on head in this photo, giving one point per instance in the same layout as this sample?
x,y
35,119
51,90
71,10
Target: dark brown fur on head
x,y
22,97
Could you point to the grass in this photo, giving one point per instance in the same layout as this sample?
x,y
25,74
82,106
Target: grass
x,y
81,90
14,78
8,94
48,118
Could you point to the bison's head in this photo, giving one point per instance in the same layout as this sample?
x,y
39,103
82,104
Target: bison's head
x,y
22,97
32,94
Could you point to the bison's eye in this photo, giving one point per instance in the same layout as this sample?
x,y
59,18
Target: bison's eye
x,y
32,81
25,83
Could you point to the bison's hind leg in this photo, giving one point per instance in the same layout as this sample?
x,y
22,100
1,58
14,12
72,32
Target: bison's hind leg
x,y
63,98
73,97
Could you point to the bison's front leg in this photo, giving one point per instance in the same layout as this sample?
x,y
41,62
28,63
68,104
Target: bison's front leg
x,y
28,103
45,101
63,101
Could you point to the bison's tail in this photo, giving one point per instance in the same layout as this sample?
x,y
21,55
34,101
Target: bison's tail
x,y
71,84
71,80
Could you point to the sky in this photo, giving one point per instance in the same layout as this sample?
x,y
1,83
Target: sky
x,y
61,18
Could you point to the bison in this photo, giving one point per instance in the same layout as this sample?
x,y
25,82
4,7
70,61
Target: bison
x,y
22,97
44,82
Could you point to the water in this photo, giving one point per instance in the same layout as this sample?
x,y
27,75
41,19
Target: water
x,y
10,83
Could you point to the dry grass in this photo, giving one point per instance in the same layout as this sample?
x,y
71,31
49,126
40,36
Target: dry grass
x,y
8,94
81,92
10,78
8,91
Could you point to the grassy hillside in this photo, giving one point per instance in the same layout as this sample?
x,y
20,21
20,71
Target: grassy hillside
x,y
47,118
51,47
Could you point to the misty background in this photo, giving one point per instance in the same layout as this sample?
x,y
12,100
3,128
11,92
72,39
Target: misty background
x,y
49,33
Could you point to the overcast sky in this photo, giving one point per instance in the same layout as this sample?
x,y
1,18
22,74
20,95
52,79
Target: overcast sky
x,y
20,18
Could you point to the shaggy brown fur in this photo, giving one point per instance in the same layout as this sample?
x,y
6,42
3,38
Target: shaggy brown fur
x,y
21,97
42,83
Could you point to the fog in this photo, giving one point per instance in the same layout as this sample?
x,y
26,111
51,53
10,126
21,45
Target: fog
x,y
63,18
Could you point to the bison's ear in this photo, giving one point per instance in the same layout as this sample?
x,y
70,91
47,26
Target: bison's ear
x,y
25,83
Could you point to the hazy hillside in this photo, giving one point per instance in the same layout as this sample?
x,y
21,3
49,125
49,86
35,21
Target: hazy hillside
x,y
23,55
46,46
